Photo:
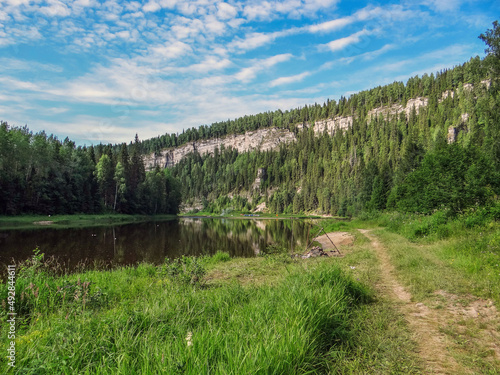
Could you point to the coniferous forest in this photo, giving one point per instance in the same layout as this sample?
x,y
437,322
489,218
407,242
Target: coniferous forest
x,y
444,155
40,174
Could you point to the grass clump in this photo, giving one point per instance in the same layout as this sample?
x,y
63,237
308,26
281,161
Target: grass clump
x,y
159,320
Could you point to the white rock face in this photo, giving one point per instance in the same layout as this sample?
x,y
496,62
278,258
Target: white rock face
x,y
331,125
262,139
271,138
394,109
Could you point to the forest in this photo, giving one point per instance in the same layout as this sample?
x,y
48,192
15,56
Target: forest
x,y
441,156
39,174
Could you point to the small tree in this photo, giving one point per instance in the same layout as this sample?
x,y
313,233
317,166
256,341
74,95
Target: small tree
x,y
492,40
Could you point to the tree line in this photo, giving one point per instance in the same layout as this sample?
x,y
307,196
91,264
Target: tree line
x,y
39,174
401,161
472,72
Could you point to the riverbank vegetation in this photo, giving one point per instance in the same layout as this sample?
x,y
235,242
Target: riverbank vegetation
x,y
272,313
40,174
74,221
269,314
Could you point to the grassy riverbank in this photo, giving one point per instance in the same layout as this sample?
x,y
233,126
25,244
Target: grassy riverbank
x,y
73,221
273,314
269,314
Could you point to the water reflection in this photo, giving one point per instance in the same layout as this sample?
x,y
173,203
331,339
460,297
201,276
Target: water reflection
x,y
153,241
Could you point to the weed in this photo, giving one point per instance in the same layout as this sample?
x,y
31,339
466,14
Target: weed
x,y
184,270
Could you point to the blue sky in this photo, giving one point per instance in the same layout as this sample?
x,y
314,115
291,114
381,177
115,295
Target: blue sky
x,y
102,71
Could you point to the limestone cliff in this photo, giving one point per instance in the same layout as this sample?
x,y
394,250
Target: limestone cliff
x,y
262,139
270,138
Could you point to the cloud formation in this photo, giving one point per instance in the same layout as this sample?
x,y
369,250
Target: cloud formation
x,y
186,63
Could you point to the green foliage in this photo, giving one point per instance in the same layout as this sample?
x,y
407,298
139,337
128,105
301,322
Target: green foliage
x,y
218,257
40,290
42,175
492,40
400,161
184,270
158,327
453,178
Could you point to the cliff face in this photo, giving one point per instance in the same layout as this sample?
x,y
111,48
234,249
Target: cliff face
x,y
263,139
271,138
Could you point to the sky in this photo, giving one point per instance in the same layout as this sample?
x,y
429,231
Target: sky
x,y
100,71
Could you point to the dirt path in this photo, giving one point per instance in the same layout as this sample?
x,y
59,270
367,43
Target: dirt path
x,y
423,322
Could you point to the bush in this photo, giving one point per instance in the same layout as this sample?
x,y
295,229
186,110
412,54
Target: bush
x,y
184,270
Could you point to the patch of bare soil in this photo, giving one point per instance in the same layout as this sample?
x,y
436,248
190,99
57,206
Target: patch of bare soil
x,y
424,322
474,318
340,239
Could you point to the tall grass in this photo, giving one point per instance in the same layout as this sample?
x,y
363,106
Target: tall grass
x,y
162,320
468,245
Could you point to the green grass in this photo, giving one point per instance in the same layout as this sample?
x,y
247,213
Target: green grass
x,y
73,221
449,264
458,254
265,315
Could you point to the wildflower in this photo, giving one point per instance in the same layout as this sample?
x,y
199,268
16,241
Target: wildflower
x,y
188,338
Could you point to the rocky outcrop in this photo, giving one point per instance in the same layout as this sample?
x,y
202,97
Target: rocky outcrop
x,y
453,131
271,138
261,175
262,139
331,125
395,109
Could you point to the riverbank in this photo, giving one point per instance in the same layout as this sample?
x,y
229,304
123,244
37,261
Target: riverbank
x,y
245,215
73,221
269,314
368,311
80,221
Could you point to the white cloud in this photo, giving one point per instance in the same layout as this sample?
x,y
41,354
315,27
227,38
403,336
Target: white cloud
x,y
172,51
340,44
11,64
151,6
252,41
368,55
444,5
226,11
289,79
249,73
259,11
331,25
55,9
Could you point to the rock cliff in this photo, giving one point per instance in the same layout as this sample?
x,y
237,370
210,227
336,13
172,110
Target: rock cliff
x,y
262,139
271,138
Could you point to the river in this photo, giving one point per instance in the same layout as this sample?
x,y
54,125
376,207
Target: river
x,y
153,241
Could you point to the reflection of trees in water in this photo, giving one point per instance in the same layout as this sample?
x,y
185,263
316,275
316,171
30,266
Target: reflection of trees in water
x,y
152,241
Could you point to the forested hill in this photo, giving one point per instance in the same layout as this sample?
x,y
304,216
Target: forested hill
x,y
443,154
432,143
433,86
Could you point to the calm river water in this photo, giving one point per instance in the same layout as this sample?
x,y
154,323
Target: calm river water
x,y
153,241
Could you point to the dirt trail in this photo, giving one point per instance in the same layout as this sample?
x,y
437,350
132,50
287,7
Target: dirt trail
x,y
423,322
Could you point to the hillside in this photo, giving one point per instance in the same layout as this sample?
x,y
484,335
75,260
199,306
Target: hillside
x,y
430,143
393,139
270,138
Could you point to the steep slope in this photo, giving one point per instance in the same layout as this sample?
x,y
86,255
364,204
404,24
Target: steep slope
x,y
270,138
